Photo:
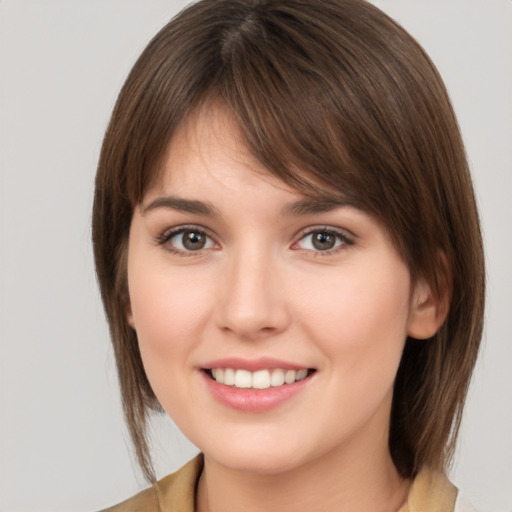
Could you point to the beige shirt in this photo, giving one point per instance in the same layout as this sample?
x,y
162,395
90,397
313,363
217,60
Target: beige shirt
x,y
430,492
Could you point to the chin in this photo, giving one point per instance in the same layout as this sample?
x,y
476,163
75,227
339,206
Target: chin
x,y
257,457
255,463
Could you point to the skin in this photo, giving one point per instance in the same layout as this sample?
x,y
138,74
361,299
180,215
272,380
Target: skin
x,y
260,288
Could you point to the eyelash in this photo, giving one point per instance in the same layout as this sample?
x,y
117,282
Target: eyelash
x,y
167,236
342,237
344,240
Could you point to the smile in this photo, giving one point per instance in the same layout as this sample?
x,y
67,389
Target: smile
x,y
256,385
260,379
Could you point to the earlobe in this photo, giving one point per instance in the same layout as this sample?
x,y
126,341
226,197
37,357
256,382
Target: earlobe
x,y
428,311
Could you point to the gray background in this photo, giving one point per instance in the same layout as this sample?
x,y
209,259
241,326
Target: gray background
x,y
63,445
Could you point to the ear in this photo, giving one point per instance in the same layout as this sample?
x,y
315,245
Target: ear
x,y
428,310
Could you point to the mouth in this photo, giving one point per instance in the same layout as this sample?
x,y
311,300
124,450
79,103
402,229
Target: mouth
x,y
260,379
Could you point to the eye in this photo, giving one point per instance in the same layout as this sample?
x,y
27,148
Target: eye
x,y
323,240
189,239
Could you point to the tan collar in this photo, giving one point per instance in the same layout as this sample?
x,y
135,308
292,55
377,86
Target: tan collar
x,y
177,492
430,492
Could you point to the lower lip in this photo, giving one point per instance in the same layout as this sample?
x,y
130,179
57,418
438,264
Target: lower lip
x,y
254,400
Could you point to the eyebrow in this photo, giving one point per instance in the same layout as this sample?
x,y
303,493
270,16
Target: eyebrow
x,y
312,206
182,205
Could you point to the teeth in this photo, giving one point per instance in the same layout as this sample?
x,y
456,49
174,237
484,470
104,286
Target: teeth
x,y
289,376
243,379
301,374
277,378
261,379
229,377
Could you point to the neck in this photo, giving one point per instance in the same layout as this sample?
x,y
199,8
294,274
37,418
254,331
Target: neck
x,y
356,478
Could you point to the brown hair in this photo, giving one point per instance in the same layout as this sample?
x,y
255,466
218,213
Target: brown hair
x,y
334,98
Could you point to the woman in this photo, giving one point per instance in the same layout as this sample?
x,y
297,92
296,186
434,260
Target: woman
x,y
290,259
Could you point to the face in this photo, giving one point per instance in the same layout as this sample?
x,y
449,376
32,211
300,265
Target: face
x,y
270,326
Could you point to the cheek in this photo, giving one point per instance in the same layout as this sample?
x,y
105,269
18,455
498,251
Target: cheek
x,y
360,317
168,310
359,322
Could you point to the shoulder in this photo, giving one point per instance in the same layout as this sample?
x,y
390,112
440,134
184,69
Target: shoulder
x,y
433,492
173,492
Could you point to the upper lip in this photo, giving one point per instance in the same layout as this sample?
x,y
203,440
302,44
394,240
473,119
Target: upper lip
x,y
252,365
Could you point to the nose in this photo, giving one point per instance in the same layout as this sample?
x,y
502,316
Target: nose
x,y
252,302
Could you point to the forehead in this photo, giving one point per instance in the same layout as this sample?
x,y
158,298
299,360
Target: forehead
x,y
209,169
209,151
208,146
